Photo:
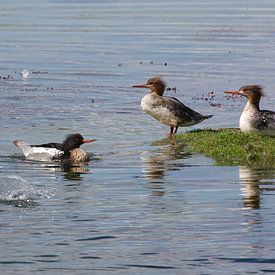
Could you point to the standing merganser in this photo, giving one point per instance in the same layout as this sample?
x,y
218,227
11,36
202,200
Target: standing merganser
x,y
252,118
68,150
168,110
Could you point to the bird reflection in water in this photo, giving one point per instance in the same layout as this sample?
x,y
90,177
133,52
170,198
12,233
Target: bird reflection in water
x,y
253,181
250,189
156,163
74,172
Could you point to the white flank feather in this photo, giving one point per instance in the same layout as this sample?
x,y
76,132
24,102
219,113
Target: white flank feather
x,y
38,153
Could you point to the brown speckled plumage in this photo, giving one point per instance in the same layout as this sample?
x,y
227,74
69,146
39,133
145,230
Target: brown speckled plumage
x,y
78,155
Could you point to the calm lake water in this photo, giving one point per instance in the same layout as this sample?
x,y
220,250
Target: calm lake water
x,y
140,206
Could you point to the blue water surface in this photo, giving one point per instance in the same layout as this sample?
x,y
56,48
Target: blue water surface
x,y
140,206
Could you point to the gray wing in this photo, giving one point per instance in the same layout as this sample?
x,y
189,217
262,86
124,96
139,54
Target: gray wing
x,y
179,109
267,120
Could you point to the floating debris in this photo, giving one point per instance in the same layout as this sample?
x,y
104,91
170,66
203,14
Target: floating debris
x,y
174,89
206,97
211,95
29,89
6,77
213,104
39,72
25,74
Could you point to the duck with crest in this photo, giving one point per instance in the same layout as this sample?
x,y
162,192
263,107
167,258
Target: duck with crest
x,y
168,110
252,118
69,150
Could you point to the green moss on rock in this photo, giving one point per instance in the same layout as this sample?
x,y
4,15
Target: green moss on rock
x,y
231,147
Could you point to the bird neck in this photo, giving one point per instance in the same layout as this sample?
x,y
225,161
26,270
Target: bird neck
x,y
254,102
251,106
157,91
66,154
67,147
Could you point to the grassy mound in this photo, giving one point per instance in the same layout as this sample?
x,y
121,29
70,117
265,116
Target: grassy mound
x,y
231,147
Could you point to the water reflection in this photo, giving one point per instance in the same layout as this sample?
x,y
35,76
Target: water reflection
x,y
73,172
169,155
156,163
70,171
253,181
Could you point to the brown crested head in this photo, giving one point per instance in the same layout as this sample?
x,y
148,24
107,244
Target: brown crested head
x,y
155,84
252,92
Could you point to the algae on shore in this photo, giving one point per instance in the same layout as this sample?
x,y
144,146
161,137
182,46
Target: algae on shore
x,y
232,147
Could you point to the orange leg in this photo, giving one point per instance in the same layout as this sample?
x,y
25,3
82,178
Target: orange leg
x,y
173,130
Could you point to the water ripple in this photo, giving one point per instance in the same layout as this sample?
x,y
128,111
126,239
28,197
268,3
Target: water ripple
x,y
96,238
151,266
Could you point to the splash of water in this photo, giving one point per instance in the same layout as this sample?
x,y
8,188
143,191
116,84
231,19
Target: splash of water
x,y
17,191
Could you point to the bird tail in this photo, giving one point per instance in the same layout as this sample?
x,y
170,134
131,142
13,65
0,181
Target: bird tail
x,y
207,116
25,147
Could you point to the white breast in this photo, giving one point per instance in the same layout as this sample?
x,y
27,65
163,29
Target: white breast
x,y
247,118
151,106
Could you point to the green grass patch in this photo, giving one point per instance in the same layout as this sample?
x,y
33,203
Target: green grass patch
x,y
231,147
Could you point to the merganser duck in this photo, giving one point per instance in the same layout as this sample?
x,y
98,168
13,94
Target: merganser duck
x,y
68,150
252,118
168,110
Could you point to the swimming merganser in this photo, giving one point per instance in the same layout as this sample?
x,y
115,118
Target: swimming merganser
x,y
252,118
168,110
68,150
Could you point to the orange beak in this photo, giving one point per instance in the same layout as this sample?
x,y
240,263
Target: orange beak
x,y
233,93
140,86
88,140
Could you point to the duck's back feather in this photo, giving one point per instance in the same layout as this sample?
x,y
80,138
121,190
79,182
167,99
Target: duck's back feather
x,y
50,145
